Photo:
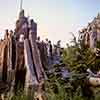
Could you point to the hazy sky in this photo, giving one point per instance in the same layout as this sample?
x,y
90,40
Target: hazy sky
x,y
55,18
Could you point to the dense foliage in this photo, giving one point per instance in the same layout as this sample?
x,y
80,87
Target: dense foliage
x,y
79,58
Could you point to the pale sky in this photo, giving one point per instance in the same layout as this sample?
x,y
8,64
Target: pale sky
x,y
55,18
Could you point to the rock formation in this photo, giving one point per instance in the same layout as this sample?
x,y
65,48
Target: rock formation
x,y
91,34
20,55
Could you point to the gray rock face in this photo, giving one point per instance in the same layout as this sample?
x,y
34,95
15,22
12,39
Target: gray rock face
x,y
36,58
91,34
31,78
21,58
23,26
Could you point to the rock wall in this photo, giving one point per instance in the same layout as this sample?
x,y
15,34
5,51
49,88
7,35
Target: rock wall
x,y
2,44
3,53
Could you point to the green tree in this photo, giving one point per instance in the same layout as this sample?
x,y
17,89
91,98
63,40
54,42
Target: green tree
x,y
77,57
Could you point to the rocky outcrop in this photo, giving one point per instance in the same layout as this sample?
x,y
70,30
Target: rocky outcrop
x,y
2,46
91,34
20,52
31,77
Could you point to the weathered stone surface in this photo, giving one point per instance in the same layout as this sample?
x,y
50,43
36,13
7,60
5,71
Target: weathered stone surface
x,y
5,57
4,61
9,62
30,70
20,70
20,56
21,25
2,45
17,56
33,28
91,34
13,52
43,54
36,59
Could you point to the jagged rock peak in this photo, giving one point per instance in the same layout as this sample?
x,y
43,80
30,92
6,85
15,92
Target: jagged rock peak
x,y
21,13
98,16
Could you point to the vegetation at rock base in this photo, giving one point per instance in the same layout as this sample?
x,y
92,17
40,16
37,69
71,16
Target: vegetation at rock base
x,y
79,58
75,86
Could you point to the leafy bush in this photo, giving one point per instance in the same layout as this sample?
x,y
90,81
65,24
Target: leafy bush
x,y
79,58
